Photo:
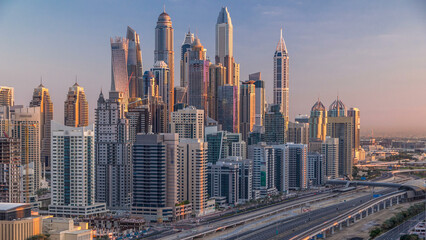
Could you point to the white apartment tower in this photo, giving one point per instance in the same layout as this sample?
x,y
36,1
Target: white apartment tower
x,y
73,172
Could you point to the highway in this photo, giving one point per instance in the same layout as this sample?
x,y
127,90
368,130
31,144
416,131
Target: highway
x,y
395,233
290,227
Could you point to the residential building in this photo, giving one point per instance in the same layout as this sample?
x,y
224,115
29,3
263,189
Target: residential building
x,y
41,98
119,71
26,128
298,132
318,122
228,108
188,123
223,144
247,108
263,157
198,76
134,64
330,151
316,169
155,178
281,77
223,181
192,177
340,126
164,51
76,113
225,48
73,172
113,152
281,154
217,75
298,166
184,63
276,126
7,97
10,160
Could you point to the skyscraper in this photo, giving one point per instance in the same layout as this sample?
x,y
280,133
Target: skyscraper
x,y
228,108
224,45
222,144
119,73
26,128
41,98
113,152
198,76
340,126
281,78
247,108
6,96
188,123
73,172
276,126
281,167
164,51
161,74
330,152
316,169
260,98
263,157
76,113
298,166
223,181
147,77
156,191
192,168
184,70
217,74
298,132
10,160
355,115
134,64
318,122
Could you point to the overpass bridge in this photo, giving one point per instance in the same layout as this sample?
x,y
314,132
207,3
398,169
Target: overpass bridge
x,y
415,189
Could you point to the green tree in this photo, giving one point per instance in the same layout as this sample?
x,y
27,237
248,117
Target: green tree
x,y
375,232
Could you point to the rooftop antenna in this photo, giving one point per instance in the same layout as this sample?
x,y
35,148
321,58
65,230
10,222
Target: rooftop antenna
x,y
76,82
41,80
164,8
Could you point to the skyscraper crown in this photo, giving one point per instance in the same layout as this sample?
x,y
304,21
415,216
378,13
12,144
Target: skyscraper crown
x,y
224,16
281,47
318,106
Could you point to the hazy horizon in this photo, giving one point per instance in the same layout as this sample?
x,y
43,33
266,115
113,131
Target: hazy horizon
x,y
370,53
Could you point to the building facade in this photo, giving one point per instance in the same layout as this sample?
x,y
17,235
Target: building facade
x,y
76,113
228,108
10,160
73,172
281,77
188,123
247,108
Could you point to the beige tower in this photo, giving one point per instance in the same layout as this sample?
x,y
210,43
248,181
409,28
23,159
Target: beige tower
x,y
41,98
192,168
247,108
318,122
26,128
6,96
76,112
188,123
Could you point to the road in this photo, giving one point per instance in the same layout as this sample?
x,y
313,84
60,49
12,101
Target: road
x,y
290,227
395,233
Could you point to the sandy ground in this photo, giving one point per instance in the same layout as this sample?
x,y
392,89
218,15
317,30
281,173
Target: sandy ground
x,y
362,228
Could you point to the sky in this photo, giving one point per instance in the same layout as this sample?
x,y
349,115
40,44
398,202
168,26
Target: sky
x,y
370,53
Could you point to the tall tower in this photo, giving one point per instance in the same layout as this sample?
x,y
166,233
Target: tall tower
x,y
198,76
340,126
41,98
247,108
187,42
113,152
119,74
76,113
134,64
164,50
73,172
6,96
224,45
318,122
281,86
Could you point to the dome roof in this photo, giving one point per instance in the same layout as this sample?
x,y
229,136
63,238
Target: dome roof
x,y
318,106
337,105
164,17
